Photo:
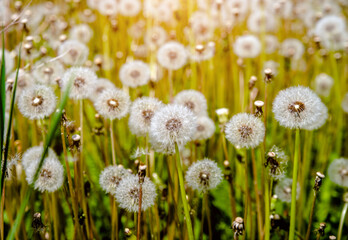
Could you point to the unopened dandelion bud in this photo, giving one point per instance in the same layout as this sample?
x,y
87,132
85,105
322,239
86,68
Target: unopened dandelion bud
x,y
338,56
321,230
37,222
318,181
240,62
127,232
332,237
199,48
268,75
43,51
98,61
258,104
317,41
252,82
238,227
142,173
18,6
222,114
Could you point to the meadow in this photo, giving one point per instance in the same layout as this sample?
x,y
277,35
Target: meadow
x,y
174,119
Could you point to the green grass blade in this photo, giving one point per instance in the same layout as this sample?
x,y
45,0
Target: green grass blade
x,y
3,97
50,135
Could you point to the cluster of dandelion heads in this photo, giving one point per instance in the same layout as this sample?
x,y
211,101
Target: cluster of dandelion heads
x,y
127,193
338,172
276,162
34,154
111,176
141,113
37,102
73,52
283,190
323,84
299,107
193,100
51,175
245,130
172,55
83,80
247,46
134,74
46,71
204,175
172,124
112,104
205,128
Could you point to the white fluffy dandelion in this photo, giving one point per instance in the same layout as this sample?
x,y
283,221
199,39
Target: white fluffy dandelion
x,y
141,113
47,71
73,52
193,100
172,55
283,190
259,21
83,80
100,86
299,107
172,124
111,176
292,48
25,80
204,175
247,46
205,128
9,61
127,193
37,102
112,103
51,175
129,8
34,154
323,84
328,26
245,130
135,73
81,32
338,171
108,7
277,162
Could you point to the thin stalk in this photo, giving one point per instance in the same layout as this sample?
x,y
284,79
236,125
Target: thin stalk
x,y
55,216
311,217
171,88
343,216
183,193
267,209
208,216
246,193
112,143
294,186
139,211
257,196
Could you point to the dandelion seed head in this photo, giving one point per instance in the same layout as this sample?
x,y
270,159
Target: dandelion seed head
x,y
247,46
245,130
204,175
193,100
299,107
338,172
37,102
81,32
135,73
277,163
284,188
127,193
33,155
129,8
172,124
25,80
271,43
261,21
9,60
205,128
155,37
100,86
108,7
328,26
112,104
292,48
83,82
11,165
201,26
73,52
47,71
141,114
139,152
323,84
110,178
172,55
51,175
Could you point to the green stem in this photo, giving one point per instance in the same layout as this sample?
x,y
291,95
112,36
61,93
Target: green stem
x,y
267,211
183,193
311,217
343,216
294,186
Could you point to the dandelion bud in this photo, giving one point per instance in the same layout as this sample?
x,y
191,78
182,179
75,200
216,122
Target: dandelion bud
x,y
258,104
238,227
128,232
141,173
318,181
268,75
37,222
252,82
222,114
18,6
199,48
332,237
321,230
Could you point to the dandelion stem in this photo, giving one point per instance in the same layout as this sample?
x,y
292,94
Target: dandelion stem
x,y
112,143
257,196
343,216
267,209
311,217
183,193
294,186
139,212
